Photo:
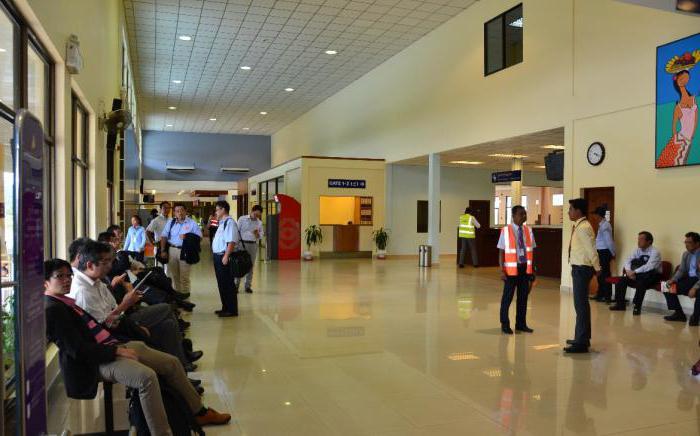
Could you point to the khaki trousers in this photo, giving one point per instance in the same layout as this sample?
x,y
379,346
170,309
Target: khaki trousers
x,y
142,374
178,270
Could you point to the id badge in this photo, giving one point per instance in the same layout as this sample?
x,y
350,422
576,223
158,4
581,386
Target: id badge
x,y
521,252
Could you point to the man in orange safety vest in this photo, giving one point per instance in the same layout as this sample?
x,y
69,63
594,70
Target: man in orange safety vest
x,y
516,256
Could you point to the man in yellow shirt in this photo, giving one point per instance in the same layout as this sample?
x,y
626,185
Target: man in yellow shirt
x,y
584,261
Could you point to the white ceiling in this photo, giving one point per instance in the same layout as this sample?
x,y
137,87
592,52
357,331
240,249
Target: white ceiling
x,y
530,145
283,41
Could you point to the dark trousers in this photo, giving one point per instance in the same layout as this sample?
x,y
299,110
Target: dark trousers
x,y
227,288
604,288
469,243
641,283
581,276
521,283
682,287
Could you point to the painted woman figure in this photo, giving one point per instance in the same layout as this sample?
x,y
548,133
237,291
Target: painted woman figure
x,y
686,112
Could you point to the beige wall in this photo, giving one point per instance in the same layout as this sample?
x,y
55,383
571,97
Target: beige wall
x,y
98,25
589,66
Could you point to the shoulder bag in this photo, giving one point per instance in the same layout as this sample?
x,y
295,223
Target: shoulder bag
x,y
240,261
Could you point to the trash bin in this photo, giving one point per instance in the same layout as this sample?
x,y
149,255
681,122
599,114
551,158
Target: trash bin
x,y
425,253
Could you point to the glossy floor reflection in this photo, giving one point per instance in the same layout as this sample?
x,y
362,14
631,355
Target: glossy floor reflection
x,y
362,347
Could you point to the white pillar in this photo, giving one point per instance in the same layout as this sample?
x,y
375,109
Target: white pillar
x,y
516,187
434,205
388,198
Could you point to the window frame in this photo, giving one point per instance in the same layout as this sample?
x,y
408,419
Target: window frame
x,y
80,163
502,18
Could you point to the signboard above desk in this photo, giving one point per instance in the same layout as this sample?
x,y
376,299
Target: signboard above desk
x,y
344,183
506,176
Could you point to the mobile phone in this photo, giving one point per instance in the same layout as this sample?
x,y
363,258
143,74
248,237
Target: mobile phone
x,y
148,288
142,281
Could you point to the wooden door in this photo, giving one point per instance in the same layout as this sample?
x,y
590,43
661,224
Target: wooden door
x,y
598,197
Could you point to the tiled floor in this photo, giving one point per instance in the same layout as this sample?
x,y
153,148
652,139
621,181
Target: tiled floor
x,y
362,347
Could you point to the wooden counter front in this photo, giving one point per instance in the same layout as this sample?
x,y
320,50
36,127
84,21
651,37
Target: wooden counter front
x,y
547,253
346,238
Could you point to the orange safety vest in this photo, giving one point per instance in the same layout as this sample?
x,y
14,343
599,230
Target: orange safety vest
x,y
510,259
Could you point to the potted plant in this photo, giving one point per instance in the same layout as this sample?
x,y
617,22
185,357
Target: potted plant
x,y
380,238
313,236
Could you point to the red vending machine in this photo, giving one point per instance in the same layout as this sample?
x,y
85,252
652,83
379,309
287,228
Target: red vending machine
x,y
288,228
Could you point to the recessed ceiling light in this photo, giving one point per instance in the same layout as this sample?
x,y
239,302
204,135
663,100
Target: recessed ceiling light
x,y
466,162
540,166
289,89
246,128
263,113
553,147
168,125
3,50
331,52
245,67
185,38
172,108
212,119
508,155
177,81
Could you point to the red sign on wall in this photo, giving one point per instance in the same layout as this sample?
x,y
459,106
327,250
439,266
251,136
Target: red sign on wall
x,y
289,244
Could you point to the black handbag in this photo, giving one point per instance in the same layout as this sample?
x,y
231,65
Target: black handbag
x,y
240,261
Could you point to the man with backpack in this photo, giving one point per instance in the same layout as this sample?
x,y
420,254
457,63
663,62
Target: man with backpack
x,y
222,246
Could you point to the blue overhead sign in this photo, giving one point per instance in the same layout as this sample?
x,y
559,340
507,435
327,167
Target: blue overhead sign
x,y
506,176
343,183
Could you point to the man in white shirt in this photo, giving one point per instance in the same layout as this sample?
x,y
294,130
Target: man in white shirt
x,y
251,229
156,226
172,238
642,271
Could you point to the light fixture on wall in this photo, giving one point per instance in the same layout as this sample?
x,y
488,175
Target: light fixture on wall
x,y
74,60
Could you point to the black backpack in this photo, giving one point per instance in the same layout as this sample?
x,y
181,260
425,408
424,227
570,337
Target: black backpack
x,y
182,421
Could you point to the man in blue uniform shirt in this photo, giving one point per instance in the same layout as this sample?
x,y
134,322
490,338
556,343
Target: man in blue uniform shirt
x,y
222,246
171,243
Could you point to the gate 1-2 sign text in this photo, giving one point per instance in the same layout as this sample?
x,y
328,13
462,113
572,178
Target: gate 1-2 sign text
x,y
343,183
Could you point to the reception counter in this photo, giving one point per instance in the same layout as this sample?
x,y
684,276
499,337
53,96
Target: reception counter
x,y
547,253
346,241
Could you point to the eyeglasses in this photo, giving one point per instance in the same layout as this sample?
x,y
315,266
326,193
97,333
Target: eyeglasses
x,y
62,276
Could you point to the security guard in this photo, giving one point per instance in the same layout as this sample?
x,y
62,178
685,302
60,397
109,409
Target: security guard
x,y
222,246
467,234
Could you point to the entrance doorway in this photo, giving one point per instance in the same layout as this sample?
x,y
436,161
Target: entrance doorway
x,y
600,197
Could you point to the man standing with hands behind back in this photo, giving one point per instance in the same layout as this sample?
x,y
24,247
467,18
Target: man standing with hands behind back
x,y
584,261
251,232
222,246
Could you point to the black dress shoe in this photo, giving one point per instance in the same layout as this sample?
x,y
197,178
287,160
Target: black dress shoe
x,y
693,321
618,307
219,311
187,344
249,291
182,295
194,356
595,297
184,325
677,316
191,367
227,314
199,389
637,311
461,266
506,329
570,342
194,382
524,329
186,306
574,349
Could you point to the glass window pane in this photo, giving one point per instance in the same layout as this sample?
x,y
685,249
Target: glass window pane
x,y
494,45
7,60
79,202
280,185
36,84
78,132
523,201
514,36
7,244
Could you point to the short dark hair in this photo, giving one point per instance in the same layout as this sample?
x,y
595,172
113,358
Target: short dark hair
x,y
580,204
257,207
53,265
694,236
138,218
468,210
647,235
224,205
515,209
92,251
176,205
75,246
162,203
113,228
105,237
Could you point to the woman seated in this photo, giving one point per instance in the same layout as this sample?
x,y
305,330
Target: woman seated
x,y
90,352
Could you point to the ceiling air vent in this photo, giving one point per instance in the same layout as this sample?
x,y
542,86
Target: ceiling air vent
x,y
231,170
180,168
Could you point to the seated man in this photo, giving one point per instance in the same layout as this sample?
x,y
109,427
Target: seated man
x,y
642,271
89,352
685,281
93,262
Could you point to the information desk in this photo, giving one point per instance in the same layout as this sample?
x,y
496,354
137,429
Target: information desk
x,y
547,253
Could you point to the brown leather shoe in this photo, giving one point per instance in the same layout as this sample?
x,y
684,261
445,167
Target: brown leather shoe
x,y
212,417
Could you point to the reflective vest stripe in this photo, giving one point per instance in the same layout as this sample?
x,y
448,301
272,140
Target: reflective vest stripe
x,y
510,261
